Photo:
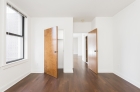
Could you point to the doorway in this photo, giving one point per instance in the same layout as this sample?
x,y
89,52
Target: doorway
x,y
87,49
79,45
60,49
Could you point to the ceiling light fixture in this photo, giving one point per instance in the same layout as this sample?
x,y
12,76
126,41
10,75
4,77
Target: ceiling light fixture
x,y
82,20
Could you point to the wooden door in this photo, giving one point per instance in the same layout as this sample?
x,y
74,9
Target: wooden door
x,y
86,49
93,51
51,51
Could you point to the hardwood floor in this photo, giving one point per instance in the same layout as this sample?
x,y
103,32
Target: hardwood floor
x,y
82,80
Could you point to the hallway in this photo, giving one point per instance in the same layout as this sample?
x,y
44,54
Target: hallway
x,y
82,80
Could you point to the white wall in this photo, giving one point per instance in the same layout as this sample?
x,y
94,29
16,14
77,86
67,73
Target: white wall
x,y
2,31
80,45
75,46
127,43
105,46
82,27
13,72
38,26
93,24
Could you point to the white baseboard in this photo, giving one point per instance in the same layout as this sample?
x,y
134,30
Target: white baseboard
x,y
105,71
68,70
64,70
60,68
37,70
8,85
133,82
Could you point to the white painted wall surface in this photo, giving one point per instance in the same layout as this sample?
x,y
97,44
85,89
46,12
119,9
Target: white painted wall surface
x,y
127,43
93,24
13,72
39,24
82,27
105,46
75,46
80,45
2,32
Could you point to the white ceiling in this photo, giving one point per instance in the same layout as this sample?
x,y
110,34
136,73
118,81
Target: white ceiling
x,y
79,9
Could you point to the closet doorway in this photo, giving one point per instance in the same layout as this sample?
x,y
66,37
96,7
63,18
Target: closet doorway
x,y
60,49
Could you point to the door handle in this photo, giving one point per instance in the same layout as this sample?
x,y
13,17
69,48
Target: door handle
x,y
55,51
95,50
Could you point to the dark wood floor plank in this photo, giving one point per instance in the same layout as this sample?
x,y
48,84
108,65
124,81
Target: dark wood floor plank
x,y
82,80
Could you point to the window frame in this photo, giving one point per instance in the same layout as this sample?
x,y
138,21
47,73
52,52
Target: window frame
x,y
17,35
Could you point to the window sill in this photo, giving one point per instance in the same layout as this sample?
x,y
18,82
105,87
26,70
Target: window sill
x,y
12,64
14,61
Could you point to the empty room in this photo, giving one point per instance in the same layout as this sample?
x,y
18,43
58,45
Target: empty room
x,y
69,45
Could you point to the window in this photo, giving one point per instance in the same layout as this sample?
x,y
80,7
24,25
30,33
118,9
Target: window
x,y
14,35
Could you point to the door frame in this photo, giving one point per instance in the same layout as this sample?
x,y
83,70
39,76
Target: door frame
x,y
86,38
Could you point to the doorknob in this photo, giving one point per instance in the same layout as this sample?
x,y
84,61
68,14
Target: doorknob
x,y
55,51
95,51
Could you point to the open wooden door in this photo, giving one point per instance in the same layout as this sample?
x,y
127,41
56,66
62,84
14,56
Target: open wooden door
x,y
51,51
93,51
